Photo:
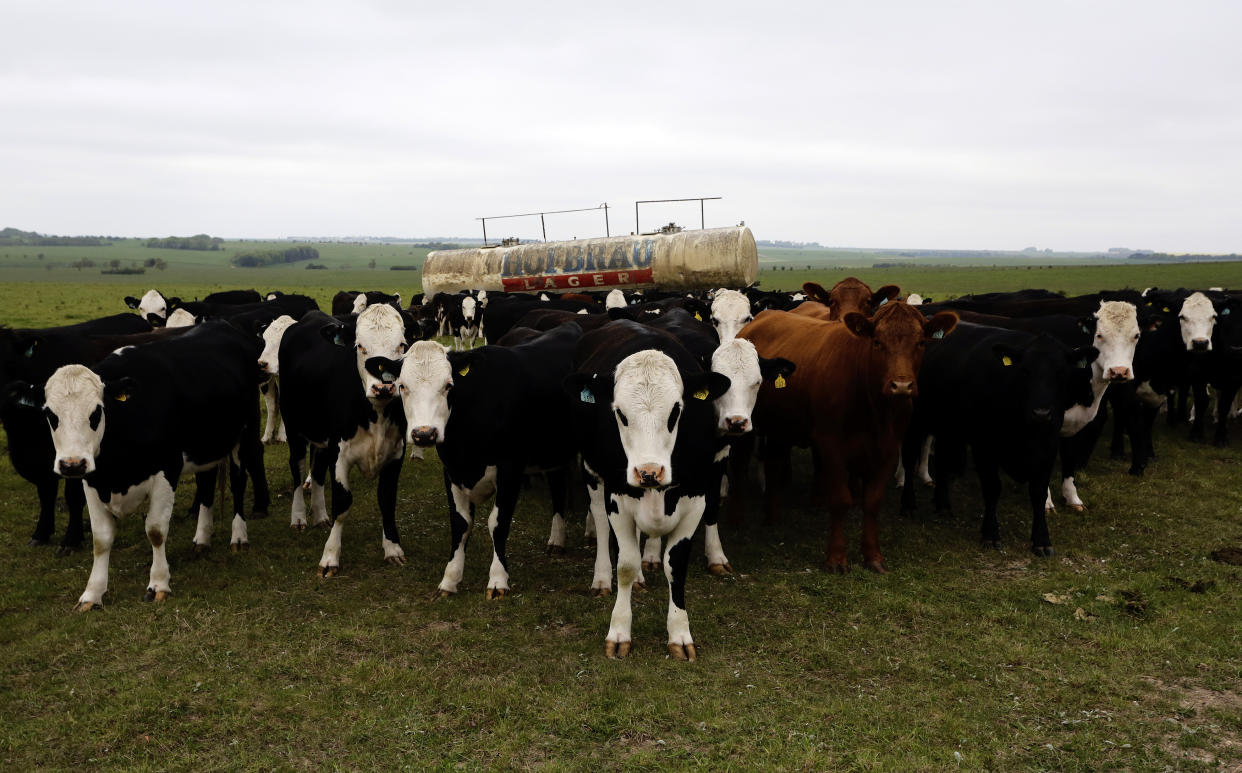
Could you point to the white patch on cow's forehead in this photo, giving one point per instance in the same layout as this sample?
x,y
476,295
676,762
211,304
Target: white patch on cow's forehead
x,y
180,318
615,300
360,302
272,337
1197,304
467,307
425,361
730,302
1117,315
648,377
380,326
73,383
153,303
736,356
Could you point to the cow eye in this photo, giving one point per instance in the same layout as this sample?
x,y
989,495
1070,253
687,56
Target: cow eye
x,y
51,417
672,417
361,349
748,319
95,417
1182,317
715,321
624,421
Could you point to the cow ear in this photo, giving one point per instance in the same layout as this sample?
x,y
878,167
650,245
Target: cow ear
x,y
29,346
341,335
588,388
707,385
1082,357
465,364
1087,325
884,295
1006,355
412,330
775,368
859,324
171,304
384,369
815,292
120,390
23,395
131,301
940,325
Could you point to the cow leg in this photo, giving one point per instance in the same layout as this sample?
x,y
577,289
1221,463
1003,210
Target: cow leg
x,y
676,564
1041,542
75,501
46,525
1224,402
873,501
321,461
990,485
103,531
739,479
717,562
239,538
508,486
651,554
601,580
923,471
271,410
617,643
297,458
205,495
159,515
909,454
342,500
251,459
461,520
386,497
817,480
1201,411
558,487
777,471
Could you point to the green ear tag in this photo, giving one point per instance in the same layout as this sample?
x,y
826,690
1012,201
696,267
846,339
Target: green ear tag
x,y
586,396
701,394
464,371
779,382
938,334
1006,361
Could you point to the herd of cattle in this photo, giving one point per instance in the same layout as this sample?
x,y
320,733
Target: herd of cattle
x,y
660,400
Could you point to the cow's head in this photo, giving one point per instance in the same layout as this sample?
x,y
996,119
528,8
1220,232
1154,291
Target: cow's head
x,y
1197,318
469,307
153,306
737,359
898,335
424,378
851,295
1116,334
730,313
615,300
73,402
181,318
379,331
1044,378
269,360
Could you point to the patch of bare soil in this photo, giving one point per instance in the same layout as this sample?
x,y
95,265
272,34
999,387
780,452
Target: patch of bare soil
x,y
1232,556
1194,707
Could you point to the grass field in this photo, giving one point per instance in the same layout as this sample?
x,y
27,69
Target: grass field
x,y
1121,653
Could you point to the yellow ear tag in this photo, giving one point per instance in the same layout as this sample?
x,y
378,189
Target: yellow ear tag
x,y
1166,309
122,397
698,316
701,394
464,371
779,383
1006,361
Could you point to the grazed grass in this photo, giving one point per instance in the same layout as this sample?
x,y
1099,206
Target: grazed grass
x,y
257,663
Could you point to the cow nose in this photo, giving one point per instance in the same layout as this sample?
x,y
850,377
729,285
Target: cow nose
x,y
72,467
649,475
737,424
382,390
1042,414
156,320
901,388
1199,344
424,436
1119,374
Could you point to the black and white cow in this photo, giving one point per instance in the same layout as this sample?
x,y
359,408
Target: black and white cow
x,y
492,413
132,424
730,313
642,411
153,306
269,373
354,301
329,401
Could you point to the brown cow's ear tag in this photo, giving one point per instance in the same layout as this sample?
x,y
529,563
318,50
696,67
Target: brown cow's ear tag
x,y
701,394
464,371
779,383
1006,361
938,334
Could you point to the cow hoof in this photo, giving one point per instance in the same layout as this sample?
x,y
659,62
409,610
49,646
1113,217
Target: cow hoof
x,y
440,593
876,566
66,550
239,547
555,550
156,595
36,542
994,544
720,570
395,560
1044,551
908,512
306,485
639,586
86,606
298,527
616,650
1078,508
1220,443
1118,456
324,524
1050,510
598,592
1137,471
329,571
200,549
929,484
652,566
495,594
257,515
681,652
837,567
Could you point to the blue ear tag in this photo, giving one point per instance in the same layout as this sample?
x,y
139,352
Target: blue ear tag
x,y
26,401
938,334
30,351
882,302
586,396
1224,311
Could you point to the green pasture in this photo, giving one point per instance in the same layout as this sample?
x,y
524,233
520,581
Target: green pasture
x,y
1123,652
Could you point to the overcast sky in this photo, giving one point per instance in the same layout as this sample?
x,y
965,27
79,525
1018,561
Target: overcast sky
x,y
1070,125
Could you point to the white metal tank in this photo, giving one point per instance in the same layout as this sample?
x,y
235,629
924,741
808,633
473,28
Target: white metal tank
x,y
688,260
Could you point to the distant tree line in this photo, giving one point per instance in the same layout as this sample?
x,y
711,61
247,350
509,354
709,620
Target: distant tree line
x,y
195,242
437,245
1165,257
789,245
257,259
12,237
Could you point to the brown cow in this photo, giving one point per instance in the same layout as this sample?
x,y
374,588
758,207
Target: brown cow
x,y
848,295
850,400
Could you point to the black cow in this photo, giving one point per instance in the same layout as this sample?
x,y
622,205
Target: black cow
x,y
645,425
1002,394
225,297
492,413
348,301
135,421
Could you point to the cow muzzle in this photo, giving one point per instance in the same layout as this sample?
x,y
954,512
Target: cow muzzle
x,y
1041,415
650,475
737,425
71,467
901,388
1200,345
424,437
1120,374
383,391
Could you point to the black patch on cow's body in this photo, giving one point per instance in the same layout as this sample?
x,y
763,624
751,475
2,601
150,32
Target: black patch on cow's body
x,y
679,560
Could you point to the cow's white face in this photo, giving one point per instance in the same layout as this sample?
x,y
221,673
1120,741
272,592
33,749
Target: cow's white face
x,y
1116,335
615,300
180,318
424,383
269,360
153,304
647,406
379,331
483,298
468,309
1197,318
730,313
914,299
73,405
360,303
737,359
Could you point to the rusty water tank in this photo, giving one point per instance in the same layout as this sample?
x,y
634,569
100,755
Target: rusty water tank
x,y
688,260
